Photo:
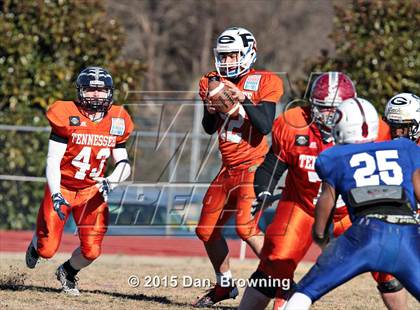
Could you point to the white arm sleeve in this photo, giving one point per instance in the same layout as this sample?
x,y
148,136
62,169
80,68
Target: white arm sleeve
x,y
56,152
122,170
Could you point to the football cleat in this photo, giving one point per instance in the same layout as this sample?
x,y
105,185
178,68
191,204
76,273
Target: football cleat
x,y
279,304
32,256
68,282
280,301
216,294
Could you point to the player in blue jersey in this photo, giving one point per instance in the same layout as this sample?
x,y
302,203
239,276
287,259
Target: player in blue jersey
x,y
380,183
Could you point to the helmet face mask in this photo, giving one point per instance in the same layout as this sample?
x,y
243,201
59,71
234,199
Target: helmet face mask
x,y
323,117
402,113
237,45
231,68
328,91
90,80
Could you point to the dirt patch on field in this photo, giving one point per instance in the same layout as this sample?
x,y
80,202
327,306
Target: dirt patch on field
x,y
165,283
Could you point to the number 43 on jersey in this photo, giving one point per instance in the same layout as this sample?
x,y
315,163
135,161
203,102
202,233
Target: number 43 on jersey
x,y
82,161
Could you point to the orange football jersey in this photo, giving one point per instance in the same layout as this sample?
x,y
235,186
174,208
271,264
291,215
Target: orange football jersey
x,y
298,142
239,141
384,132
89,144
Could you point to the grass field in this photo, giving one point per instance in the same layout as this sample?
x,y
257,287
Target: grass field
x,y
104,285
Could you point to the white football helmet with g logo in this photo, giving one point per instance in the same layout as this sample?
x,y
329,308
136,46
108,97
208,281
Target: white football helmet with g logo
x,y
403,112
355,121
235,40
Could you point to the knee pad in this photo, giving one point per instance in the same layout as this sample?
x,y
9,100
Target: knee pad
x,y
207,235
246,231
201,234
92,252
46,252
46,247
390,286
277,268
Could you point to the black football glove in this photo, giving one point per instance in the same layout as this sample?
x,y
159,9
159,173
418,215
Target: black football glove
x,y
58,201
262,202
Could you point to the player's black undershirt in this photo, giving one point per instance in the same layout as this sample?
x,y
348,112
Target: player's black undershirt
x,y
209,122
268,173
261,115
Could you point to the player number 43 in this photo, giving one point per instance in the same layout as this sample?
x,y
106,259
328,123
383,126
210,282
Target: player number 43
x,y
82,161
384,164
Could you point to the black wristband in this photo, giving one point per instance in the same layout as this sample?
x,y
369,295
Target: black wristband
x,y
55,137
122,161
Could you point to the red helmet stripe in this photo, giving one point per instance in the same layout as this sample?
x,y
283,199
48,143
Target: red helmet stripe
x,y
365,127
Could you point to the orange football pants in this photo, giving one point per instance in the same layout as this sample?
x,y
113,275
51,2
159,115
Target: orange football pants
x,y
230,193
289,237
90,213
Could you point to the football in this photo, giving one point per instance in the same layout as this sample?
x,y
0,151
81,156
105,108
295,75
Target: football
x,y
220,98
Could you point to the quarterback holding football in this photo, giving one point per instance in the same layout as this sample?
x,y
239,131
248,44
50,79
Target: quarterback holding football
x,y
240,105
84,133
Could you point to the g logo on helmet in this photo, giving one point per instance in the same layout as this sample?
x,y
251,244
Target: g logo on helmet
x,y
399,101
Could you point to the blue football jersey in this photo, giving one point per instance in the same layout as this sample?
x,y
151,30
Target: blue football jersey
x,y
348,166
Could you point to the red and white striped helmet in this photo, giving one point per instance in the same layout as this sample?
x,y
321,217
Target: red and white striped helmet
x,y
327,92
332,88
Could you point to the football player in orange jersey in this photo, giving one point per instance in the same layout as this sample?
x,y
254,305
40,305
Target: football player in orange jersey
x,y
299,135
84,134
243,145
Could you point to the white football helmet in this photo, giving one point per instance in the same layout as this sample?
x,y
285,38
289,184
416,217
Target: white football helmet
x,y
355,121
235,40
402,112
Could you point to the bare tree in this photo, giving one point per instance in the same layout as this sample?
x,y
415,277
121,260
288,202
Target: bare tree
x,y
175,38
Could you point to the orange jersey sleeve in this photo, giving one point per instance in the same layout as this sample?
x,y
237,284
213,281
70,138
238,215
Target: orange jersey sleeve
x,y
60,119
271,88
